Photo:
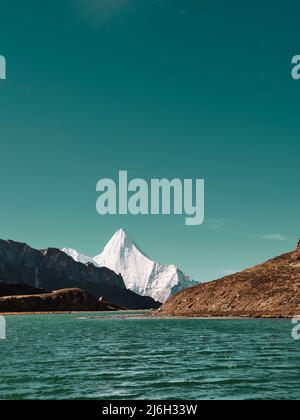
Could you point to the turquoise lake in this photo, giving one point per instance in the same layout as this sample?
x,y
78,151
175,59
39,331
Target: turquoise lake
x,y
73,357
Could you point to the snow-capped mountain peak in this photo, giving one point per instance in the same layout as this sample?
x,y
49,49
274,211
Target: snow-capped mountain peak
x,y
119,240
140,273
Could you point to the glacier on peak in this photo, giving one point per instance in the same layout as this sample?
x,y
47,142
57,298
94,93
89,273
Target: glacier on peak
x,y
140,273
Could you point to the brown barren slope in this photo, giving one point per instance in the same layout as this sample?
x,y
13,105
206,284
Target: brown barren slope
x,y
58,301
270,290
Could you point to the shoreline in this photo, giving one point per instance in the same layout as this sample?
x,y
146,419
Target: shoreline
x,y
247,315
136,314
55,313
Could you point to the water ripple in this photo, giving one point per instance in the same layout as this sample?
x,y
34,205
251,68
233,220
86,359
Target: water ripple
x,y
64,357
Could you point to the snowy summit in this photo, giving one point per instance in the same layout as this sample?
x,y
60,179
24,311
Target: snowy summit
x,y
140,273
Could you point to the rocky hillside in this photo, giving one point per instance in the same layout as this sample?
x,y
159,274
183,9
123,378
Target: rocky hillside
x,y
59,301
52,269
271,289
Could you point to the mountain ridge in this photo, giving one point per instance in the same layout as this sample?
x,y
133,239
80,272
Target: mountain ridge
x,y
52,268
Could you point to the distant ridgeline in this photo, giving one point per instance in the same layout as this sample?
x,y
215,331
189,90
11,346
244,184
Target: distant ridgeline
x,y
2,68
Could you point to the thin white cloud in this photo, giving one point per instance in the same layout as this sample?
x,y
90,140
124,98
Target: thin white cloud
x,y
274,237
99,10
215,224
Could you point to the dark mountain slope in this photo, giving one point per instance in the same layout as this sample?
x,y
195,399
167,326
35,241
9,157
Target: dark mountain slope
x,y
52,269
18,289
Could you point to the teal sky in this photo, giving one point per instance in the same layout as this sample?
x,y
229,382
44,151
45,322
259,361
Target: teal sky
x,y
170,88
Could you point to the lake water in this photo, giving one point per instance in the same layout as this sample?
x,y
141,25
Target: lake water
x,y
68,357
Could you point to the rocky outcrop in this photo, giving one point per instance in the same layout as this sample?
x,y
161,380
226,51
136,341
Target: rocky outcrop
x,y
271,289
59,301
52,269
